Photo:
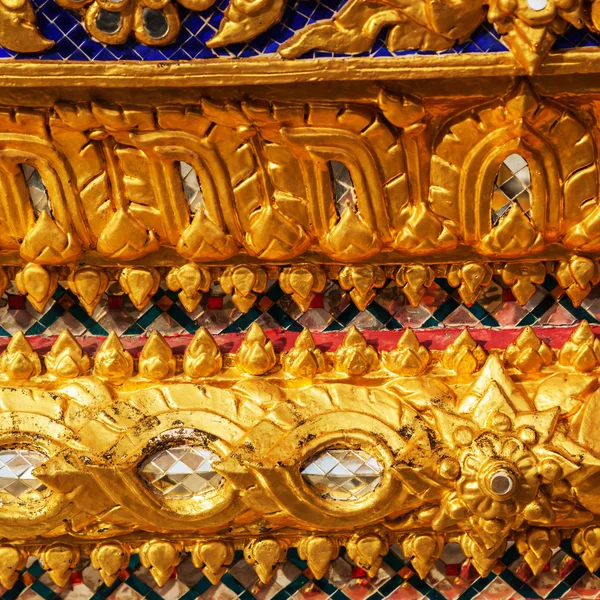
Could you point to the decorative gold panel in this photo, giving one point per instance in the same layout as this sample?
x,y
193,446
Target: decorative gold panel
x,y
423,176
473,446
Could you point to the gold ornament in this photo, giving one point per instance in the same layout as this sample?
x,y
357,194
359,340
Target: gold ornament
x,y
303,282
244,282
110,558
528,353
202,357
66,358
256,355
140,284
213,558
192,280
355,356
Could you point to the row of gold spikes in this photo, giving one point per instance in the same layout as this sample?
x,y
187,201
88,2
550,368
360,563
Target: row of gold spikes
x,y
162,556
256,356
576,275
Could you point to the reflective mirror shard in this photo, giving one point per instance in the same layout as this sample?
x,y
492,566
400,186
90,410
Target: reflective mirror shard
x,y
181,472
343,474
17,482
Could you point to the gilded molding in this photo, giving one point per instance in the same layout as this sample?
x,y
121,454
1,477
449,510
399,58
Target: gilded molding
x,y
478,447
422,182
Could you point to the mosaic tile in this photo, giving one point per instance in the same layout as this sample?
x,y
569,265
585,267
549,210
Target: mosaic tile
x,y
452,578
441,307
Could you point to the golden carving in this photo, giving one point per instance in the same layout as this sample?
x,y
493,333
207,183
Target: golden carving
x,y
361,281
37,283
423,175
506,453
582,350
66,358
156,359
192,280
12,562
304,359
213,558
528,33
577,276
318,552
410,358
354,355
19,361
113,362
256,354
303,282
88,284
528,353
59,561
202,357
265,555
110,558
244,282
161,557
470,279
464,355
140,284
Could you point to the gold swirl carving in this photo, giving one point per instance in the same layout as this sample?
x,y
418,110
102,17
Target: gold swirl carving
x,y
478,447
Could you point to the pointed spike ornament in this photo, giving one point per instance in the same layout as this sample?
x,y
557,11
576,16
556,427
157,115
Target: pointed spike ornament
x,y
59,561
109,559
424,550
536,545
303,282
202,357
586,542
319,552
12,562
140,284
409,359
522,278
37,283
582,350
355,356
577,276
304,360
156,359
471,279
362,281
19,362
367,551
256,354
66,358
244,282
414,281
113,363
88,284
161,558
213,558
528,353
265,555
193,281
464,355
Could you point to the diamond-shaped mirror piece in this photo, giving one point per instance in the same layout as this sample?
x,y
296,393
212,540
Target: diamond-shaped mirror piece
x,y
17,482
343,474
181,472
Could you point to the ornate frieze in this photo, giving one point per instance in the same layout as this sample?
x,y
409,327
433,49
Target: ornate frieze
x,y
528,28
211,452
242,191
